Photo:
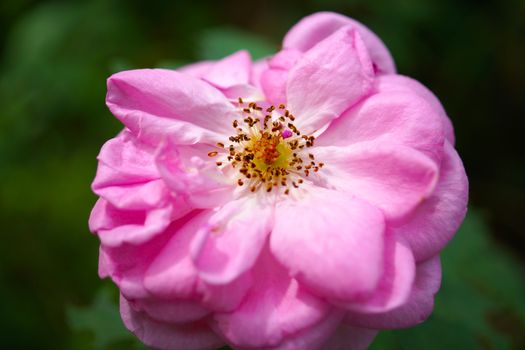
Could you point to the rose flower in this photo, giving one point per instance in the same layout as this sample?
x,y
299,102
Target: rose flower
x,y
297,202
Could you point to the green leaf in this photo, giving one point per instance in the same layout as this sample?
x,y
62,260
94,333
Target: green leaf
x,y
102,320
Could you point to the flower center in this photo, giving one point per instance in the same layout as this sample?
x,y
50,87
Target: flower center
x,y
267,149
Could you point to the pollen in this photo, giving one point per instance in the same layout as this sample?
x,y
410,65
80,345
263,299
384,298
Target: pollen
x,y
267,150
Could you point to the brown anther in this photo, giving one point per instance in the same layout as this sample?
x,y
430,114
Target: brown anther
x,y
239,182
218,163
295,185
253,188
220,144
240,100
300,181
235,123
287,192
321,165
270,109
281,106
311,156
246,110
212,154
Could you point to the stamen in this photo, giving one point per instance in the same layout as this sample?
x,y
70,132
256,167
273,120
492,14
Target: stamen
x,y
267,149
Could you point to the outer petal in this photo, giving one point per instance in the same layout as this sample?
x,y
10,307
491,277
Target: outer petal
x,y
318,26
160,335
126,252
394,178
315,337
198,69
153,103
172,274
229,244
402,118
396,283
415,310
231,70
438,218
127,176
351,338
275,308
117,227
171,311
398,83
331,77
331,242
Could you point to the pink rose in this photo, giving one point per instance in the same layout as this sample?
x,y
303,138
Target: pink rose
x,y
298,202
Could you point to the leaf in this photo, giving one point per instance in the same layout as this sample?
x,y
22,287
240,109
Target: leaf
x,y
102,320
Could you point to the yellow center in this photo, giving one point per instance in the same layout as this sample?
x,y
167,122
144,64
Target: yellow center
x,y
268,150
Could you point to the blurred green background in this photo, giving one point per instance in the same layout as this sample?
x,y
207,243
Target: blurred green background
x,y
56,55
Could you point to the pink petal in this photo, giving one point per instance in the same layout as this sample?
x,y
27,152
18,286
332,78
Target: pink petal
x,y
160,335
170,311
331,242
438,218
246,91
394,178
351,338
126,257
154,103
127,176
172,274
397,83
273,82
257,69
402,118
329,78
396,283
198,69
231,70
229,244
116,227
275,77
125,160
314,337
275,308
418,307
318,26
190,173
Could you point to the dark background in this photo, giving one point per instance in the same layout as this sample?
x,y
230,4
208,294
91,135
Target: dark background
x,y
56,55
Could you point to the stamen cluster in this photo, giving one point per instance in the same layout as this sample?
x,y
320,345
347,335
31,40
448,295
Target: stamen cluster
x,y
268,149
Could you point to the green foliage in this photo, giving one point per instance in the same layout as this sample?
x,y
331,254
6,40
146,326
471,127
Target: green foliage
x,y
102,321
